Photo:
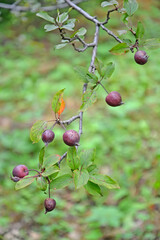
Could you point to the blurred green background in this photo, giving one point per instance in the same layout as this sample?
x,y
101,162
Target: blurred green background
x,y
126,138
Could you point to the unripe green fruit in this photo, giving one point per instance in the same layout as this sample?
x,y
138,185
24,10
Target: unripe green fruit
x,y
20,171
114,99
71,138
141,57
49,204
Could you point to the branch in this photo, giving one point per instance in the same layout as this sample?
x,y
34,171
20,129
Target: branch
x,y
25,9
76,37
69,121
136,45
80,10
93,19
108,14
63,156
96,36
81,113
111,33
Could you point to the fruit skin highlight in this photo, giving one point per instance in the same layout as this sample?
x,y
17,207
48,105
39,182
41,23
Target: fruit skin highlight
x,y
114,99
48,136
141,57
71,138
49,204
20,171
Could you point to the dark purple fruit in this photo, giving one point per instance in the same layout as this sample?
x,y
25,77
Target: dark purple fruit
x,y
48,136
71,138
141,57
49,204
20,171
114,99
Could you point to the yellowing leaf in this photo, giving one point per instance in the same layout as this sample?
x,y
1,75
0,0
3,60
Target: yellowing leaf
x,y
62,107
56,102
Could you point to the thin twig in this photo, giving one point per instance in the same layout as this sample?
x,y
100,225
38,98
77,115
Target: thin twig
x,y
108,15
46,8
76,37
103,87
34,170
49,187
35,176
16,3
62,125
136,45
92,19
54,124
111,33
96,36
81,113
69,121
63,156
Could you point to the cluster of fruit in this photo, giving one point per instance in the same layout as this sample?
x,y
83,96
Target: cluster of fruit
x,y
114,98
19,172
70,138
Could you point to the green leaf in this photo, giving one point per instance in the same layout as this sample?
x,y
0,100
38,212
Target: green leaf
x,y
62,17
81,32
53,176
140,30
80,178
56,104
108,70
50,27
92,78
61,182
93,189
68,27
45,16
125,18
92,169
41,183
87,157
82,72
36,130
49,171
50,161
128,41
119,49
152,43
88,98
130,6
109,3
72,158
99,66
24,182
59,46
104,180
41,156
70,24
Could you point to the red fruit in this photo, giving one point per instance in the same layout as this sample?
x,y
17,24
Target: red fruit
x,y
114,99
141,57
20,171
71,138
48,136
49,204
